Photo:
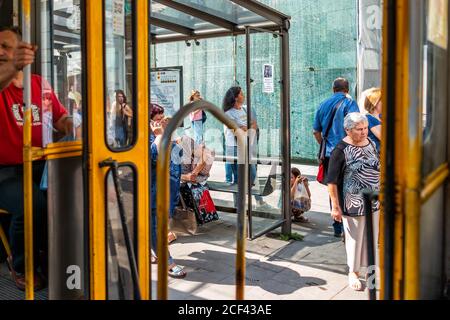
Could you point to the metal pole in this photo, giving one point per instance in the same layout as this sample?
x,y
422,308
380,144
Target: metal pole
x,y
390,36
163,183
27,159
286,128
249,103
412,277
368,197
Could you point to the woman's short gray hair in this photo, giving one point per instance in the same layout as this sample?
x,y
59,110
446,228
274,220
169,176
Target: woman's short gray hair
x,y
353,119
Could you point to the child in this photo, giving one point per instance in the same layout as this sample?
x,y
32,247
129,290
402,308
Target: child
x,y
301,200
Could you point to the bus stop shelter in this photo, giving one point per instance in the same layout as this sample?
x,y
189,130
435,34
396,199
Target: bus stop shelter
x,y
192,20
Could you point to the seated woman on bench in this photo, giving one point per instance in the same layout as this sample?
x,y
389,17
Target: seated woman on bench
x,y
197,161
196,164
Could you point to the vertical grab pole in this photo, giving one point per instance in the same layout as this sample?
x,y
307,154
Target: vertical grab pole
x,y
243,184
27,159
368,197
162,219
388,152
249,121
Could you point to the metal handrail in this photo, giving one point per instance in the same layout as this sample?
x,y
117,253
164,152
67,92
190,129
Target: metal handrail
x,y
27,159
163,195
434,181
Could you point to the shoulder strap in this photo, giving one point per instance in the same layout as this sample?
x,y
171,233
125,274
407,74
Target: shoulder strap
x,y
183,204
374,146
341,146
333,115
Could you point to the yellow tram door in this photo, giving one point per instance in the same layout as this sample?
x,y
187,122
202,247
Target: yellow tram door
x,y
415,148
94,58
117,148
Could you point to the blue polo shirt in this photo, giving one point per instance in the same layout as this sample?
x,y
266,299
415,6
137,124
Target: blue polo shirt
x,y
323,118
373,122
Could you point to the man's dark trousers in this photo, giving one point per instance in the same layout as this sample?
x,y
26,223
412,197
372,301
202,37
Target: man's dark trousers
x,y
11,200
337,226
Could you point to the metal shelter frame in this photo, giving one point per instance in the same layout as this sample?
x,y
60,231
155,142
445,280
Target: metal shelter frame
x,y
270,21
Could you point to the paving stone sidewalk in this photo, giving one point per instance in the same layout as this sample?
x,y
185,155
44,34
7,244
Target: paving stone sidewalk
x,y
312,269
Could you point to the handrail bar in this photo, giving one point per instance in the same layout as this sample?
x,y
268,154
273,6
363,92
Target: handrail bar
x,y
162,203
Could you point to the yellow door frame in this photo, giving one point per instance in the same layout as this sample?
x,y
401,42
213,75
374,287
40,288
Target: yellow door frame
x,y
400,31
98,150
411,190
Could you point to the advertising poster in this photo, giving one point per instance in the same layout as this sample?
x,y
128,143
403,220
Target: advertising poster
x,y
166,88
118,17
268,86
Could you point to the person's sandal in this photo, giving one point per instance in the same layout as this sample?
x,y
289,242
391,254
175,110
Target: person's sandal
x,y
354,283
177,272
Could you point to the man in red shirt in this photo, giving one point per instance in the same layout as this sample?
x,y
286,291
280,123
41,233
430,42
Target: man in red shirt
x,y
14,56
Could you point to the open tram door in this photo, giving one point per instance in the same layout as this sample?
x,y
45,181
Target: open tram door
x,y
117,148
97,188
414,237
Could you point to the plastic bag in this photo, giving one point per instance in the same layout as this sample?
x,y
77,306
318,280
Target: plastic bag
x,y
301,199
184,221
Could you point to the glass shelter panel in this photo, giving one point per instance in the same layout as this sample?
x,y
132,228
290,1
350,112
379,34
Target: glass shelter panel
x,y
265,146
119,60
323,46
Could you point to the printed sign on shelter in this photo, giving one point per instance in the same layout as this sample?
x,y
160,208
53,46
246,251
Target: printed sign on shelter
x,y
118,17
268,86
167,88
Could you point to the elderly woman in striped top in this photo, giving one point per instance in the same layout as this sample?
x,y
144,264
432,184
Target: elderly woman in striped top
x,y
354,168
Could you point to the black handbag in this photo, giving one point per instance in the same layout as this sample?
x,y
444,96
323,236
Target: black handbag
x,y
204,116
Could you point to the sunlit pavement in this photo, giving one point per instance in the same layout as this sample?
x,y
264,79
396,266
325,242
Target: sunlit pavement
x,y
314,268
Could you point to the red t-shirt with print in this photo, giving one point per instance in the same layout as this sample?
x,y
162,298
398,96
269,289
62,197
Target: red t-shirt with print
x,y
11,118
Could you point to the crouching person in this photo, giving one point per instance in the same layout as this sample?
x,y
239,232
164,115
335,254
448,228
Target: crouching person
x,y
300,196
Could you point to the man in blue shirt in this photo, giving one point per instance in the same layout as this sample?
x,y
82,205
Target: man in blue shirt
x,y
326,116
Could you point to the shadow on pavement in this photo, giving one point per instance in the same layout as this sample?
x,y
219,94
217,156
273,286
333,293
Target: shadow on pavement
x,y
258,273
